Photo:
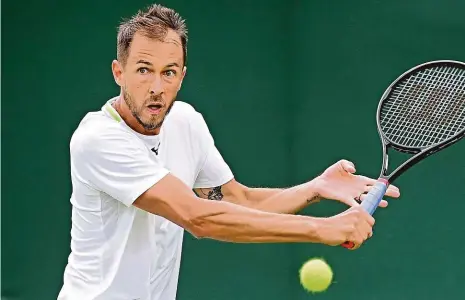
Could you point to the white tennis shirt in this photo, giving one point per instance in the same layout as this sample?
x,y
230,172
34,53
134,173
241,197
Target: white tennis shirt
x,y
119,252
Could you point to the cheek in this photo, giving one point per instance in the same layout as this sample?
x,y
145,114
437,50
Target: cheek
x,y
172,88
137,87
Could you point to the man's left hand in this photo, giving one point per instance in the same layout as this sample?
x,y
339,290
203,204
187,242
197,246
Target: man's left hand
x,y
339,182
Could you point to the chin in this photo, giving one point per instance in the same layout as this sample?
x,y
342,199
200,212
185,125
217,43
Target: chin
x,y
153,125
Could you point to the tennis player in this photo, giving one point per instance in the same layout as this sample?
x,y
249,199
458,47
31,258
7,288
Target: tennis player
x,y
136,163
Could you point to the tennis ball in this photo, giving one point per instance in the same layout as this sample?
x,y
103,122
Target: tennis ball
x,y
315,275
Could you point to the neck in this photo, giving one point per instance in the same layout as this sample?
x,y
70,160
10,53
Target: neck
x,y
125,113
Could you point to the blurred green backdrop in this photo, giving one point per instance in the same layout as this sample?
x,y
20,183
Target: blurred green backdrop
x,y
287,88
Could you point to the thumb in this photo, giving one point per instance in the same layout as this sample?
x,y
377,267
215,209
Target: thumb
x,y
348,166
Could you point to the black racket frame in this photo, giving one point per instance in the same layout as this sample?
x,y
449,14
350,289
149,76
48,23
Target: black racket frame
x,y
419,153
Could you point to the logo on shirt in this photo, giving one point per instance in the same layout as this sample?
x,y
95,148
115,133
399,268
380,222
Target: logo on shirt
x,y
155,149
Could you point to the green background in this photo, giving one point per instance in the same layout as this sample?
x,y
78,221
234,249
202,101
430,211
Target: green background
x,y
287,88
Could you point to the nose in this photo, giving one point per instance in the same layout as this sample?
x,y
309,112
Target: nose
x,y
156,88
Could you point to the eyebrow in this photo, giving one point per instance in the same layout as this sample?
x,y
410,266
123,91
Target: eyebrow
x,y
172,65
141,61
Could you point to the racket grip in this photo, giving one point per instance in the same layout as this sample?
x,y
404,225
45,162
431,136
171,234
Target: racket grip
x,y
374,196
371,202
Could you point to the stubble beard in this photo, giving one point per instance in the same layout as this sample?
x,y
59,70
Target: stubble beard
x,y
156,121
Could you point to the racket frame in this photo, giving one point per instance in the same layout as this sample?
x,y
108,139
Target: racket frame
x,y
380,187
419,152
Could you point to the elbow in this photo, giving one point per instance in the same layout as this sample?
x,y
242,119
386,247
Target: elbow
x,y
197,227
205,220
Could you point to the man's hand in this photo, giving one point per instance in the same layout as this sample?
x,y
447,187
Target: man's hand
x,y
353,225
338,182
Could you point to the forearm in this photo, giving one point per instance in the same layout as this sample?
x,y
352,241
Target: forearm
x,y
233,223
225,221
288,201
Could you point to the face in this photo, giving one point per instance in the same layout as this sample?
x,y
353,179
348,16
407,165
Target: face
x,y
151,78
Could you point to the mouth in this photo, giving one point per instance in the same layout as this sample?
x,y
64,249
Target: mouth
x,y
155,108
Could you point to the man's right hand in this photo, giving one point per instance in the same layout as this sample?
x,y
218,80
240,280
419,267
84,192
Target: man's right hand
x,y
353,225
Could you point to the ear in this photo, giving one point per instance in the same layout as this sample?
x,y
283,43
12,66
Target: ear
x,y
117,70
184,70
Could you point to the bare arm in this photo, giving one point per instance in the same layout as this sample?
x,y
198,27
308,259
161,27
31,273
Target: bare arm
x,y
220,220
287,201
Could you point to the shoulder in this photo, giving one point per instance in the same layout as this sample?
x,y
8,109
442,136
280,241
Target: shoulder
x,y
183,112
98,133
185,115
190,127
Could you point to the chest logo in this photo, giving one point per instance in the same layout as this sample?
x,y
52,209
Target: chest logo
x,y
155,149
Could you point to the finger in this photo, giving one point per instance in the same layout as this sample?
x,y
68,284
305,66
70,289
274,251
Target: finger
x,y
358,239
370,228
394,186
390,192
370,234
383,203
355,241
356,246
367,180
369,219
370,181
347,166
365,230
352,202
393,191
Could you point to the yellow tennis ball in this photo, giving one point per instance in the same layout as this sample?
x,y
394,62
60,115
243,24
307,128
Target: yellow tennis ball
x,y
315,275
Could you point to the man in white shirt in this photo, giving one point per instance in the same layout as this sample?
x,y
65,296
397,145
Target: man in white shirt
x,y
136,164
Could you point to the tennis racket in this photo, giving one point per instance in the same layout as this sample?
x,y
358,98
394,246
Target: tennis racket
x,y
420,113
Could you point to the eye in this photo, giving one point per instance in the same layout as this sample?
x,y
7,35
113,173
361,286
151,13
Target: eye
x,y
143,70
169,73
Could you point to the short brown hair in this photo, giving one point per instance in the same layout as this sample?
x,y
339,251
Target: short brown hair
x,y
154,23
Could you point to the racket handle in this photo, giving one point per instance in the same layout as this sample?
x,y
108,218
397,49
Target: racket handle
x,y
374,196
371,202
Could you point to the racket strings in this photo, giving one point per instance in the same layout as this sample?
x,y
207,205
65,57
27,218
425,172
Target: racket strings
x,y
435,134
419,125
425,108
402,115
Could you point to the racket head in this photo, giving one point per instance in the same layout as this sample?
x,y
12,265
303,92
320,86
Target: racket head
x,y
421,112
424,108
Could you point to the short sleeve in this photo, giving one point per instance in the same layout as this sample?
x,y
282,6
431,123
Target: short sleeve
x,y
214,170
115,162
